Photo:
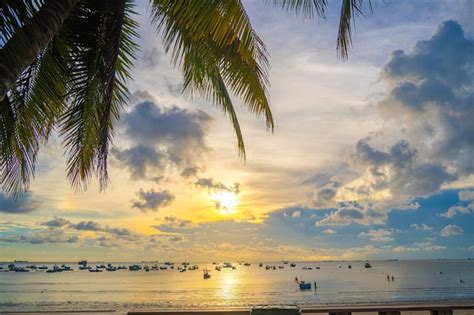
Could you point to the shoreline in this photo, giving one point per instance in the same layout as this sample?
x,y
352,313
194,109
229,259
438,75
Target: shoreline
x,y
407,306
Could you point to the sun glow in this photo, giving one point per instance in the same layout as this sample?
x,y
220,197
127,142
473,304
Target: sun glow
x,y
225,201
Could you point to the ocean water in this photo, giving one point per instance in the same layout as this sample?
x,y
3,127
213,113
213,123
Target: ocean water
x,y
246,286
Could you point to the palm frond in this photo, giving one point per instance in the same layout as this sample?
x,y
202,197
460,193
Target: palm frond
x,y
218,50
307,8
14,14
100,36
350,9
28,114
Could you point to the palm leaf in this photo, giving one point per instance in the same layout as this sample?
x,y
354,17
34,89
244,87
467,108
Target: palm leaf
x,y
218,50
100,36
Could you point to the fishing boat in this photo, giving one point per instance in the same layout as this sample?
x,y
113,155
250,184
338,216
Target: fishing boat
x,y
95,270
367,265
218,268
303,284
206,274
134,267
260,265
247,264
82,262
44,267
293,265
281,267
350,267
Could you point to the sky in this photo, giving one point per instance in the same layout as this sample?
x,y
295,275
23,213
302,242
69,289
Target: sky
x,y
371,158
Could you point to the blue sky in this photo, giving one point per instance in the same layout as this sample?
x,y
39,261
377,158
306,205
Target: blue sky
x,y
370,158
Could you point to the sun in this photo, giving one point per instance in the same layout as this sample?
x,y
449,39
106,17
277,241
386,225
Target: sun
x,y
225,201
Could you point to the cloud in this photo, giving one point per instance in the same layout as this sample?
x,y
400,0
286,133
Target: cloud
x,y
152,200
426,142
296,214
463,207
41,237
329,232
457,210
174,222
466,195
56,222
431,97
353,213
421,227
451,229
324,196
162,138
23,203
215,186
86,226
379,235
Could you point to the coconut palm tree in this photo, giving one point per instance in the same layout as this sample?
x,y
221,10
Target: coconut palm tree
x,y
64,65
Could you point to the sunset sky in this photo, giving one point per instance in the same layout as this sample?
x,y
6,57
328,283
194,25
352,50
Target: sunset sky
x,y
372,158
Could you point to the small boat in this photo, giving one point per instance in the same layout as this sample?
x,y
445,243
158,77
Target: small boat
x,y
367,265
317,267
95,270
286,262
234,267
260,265
305,285
134,267
293,265
183,270
281,267
218,268
274,268
247,264
163,268
84,267
82,262
206,274
350,267
44,267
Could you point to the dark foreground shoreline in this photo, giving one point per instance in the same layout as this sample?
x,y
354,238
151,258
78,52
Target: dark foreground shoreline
x,y
462,307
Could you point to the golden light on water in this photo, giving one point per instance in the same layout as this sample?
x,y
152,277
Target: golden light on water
x,y
226,202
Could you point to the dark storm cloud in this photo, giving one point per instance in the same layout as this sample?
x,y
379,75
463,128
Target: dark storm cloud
x,y
23,203
152,200
162,137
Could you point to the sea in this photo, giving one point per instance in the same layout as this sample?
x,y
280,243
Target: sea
x,y
242,287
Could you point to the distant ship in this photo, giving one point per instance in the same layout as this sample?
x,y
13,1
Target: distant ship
x,y
367,265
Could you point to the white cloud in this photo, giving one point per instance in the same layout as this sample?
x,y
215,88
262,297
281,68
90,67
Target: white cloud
x,y
421,227
466,195
296,214
451,229
353,213
329,232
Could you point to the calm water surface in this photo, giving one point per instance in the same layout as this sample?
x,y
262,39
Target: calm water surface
x,y
244,287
